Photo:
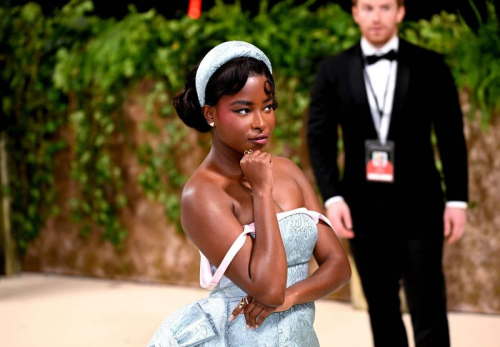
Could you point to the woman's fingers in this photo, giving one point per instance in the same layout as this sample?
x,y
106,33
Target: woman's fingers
x,y
250,153
263,316
248,310
237,310
253,315
255,312
240,308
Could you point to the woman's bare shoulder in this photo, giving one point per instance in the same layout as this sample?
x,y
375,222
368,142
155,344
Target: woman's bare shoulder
x,y
286,166
207,212
202,185
204,192
289,170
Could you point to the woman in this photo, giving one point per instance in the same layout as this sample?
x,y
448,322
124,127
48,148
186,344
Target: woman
x,y
253,216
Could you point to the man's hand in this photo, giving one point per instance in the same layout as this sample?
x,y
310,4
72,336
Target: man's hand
x,y
339,214
455,220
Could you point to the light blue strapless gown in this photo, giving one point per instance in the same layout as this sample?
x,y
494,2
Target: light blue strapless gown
x,y
204,323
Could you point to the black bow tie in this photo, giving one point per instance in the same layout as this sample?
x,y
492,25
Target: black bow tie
x,y
391,55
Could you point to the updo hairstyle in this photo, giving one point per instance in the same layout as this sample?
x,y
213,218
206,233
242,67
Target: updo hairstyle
x,y
229,79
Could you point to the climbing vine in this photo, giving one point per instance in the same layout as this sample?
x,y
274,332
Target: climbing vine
x,y
67,76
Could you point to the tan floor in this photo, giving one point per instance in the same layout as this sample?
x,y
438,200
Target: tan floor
x,y
45,310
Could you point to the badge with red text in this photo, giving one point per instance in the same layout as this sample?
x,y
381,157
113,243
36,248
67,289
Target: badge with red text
x,y
379,161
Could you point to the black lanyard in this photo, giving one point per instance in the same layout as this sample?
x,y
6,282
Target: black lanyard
x,y
380,110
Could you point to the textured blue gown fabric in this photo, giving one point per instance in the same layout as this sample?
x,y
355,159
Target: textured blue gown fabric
x,y
205,323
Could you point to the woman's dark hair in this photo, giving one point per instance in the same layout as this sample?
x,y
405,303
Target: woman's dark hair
x,y
229,79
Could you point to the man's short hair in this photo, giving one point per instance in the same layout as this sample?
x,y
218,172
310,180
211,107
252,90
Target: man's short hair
x,y
399,2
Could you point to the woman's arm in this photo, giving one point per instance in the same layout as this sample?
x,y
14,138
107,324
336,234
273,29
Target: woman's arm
x,y
333,272
207,216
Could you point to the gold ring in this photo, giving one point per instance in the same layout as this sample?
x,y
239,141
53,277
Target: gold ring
x,y
242,302
248,152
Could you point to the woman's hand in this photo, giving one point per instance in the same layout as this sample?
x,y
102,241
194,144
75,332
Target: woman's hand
x,y
257,168
256,313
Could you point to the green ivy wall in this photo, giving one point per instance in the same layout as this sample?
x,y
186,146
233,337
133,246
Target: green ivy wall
x,y
97,157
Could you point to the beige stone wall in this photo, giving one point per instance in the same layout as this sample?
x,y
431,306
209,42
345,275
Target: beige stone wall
x,y
472,265
155,252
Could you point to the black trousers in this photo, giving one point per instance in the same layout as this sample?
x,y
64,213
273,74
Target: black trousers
x,y
382,263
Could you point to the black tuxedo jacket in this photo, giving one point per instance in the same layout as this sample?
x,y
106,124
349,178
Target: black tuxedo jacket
x,y
425,98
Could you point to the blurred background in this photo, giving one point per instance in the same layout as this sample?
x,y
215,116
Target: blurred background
x,y
93,157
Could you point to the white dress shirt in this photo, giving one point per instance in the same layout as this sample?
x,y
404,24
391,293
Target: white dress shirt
x,y
382,76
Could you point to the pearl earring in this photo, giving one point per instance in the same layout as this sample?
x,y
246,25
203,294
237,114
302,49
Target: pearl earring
x,y
211,124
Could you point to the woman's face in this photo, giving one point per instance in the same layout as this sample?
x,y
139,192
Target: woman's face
x,y
246,120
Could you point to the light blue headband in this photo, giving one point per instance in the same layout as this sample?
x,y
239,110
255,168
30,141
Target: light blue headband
x,y
221,54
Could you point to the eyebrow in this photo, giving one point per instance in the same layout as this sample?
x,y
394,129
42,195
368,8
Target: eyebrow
x,y
241,102
248,103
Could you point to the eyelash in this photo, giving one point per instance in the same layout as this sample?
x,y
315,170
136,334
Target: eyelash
x,y
241,110
247,110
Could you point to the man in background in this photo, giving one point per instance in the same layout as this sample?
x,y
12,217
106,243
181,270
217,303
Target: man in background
x,y
387,96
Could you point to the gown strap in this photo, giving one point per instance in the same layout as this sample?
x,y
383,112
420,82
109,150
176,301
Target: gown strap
x,y
208,281
316,216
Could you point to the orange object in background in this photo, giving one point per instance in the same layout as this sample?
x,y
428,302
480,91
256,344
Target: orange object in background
x,y
194,9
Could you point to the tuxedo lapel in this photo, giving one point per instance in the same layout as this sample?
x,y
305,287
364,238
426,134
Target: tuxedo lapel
x,y
402,83
358,89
